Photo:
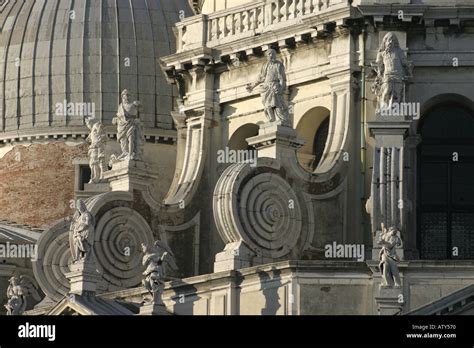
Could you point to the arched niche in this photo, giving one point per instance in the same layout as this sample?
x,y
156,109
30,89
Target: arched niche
x,y
238,140
313,128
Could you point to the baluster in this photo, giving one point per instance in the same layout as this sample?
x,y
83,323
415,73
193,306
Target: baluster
x,y
214,28
222,27
250,19
273,9
254,19
299,8
228,25
236,23
260,16
307,6
284,10
246,21
232,24
293,9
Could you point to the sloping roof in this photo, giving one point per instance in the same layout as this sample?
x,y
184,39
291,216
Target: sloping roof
x,y
15,233
89,305
457,302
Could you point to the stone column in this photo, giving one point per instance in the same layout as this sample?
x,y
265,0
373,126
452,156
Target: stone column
x,y
387,203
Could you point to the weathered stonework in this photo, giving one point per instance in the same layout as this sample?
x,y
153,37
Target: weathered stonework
x,y
250,237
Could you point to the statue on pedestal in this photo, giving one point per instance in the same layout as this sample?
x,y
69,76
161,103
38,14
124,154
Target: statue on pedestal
x,y
272,82
97,139
82,233
156,258
129,130
389,240
17,292
392,71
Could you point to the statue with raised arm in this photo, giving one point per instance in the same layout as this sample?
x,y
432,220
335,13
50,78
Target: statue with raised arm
x,y
392,72
129,129
389,240
82,233
272,82
18,290
97,139
156,259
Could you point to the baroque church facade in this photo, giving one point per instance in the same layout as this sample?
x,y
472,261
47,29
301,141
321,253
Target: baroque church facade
x,y
236,157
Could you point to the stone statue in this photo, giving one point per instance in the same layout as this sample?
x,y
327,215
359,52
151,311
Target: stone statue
x,y
17,292
392,71
97,139
156,258
82,233
389,240
272,81
129,130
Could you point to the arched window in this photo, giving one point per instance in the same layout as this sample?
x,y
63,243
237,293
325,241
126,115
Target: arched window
x,y
238,140
446,183
313,128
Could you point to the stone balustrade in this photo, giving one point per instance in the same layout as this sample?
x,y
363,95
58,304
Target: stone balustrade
x,y
248,20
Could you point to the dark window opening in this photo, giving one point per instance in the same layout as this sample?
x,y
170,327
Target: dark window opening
x,y
446,184
84,176
320,142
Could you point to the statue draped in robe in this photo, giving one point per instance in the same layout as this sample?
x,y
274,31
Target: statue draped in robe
x,y
272,82
129,129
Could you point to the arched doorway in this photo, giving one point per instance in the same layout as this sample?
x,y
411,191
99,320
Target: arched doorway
x,y
446,183
313,128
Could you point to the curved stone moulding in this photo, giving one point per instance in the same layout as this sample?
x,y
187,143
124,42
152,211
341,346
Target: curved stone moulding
x,y
259,208
338,142
192,162
118,236
54,258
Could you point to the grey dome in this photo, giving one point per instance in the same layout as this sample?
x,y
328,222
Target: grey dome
x,y
80,57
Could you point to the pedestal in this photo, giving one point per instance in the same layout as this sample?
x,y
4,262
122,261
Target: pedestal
x,y
390,301
275,141
153,309
100,187
83,278
92,190
235,256
129,175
